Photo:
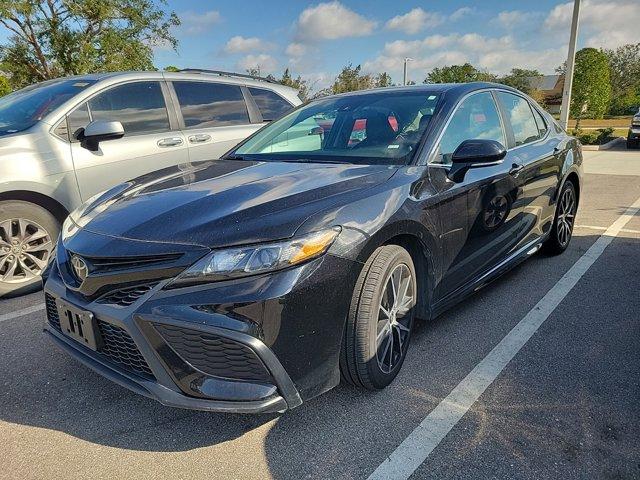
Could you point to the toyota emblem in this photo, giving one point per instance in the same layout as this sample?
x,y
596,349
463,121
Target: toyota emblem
x,y
80,268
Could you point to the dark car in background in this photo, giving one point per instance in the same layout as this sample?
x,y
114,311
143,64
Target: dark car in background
x,y
633,135
304,255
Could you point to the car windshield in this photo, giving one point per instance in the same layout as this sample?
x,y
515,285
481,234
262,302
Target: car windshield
x,y
24,108
371,128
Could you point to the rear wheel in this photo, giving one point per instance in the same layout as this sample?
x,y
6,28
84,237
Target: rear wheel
x,y
380,319
562,229
632,143
27,236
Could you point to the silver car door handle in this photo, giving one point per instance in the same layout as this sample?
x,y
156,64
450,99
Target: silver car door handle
x,y
170,142
199,138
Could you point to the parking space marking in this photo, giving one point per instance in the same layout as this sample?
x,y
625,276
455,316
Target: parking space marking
x,y
622,230
22,313
415,449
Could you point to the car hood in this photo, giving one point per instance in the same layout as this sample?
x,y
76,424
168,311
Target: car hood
x,y
225,202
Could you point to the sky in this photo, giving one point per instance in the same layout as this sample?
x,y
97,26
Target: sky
x,y
316,39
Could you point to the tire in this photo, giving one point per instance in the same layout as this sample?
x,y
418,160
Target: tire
x,y
563,223
361,363
36,221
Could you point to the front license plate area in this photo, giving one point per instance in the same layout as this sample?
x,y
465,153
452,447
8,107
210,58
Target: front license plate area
x,y
79,324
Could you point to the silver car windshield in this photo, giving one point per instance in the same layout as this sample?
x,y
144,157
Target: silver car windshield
x,y
23,109
372,128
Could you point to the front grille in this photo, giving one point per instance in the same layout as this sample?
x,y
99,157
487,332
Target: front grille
x,y
120,348
52,311
126,296
117,345
215,355
125,263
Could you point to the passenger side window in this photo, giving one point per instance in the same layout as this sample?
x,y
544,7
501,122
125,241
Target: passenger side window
x,y
475,118
520,115
542,125
207,104
138,106
270,104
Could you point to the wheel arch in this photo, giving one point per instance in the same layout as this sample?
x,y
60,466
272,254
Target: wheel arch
x,y
52,206
421,245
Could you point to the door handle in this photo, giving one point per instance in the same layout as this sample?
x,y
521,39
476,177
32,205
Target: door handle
x,y
170,142
516,168
199,138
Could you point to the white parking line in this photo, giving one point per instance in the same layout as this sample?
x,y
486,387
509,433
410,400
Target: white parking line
x,y
21,313
594,227
415,449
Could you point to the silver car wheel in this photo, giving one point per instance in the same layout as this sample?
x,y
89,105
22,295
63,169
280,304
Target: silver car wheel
x,y
25,247
393,321
566,216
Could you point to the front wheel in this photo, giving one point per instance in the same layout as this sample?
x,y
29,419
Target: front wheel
x,y
562,228
27,236
380,319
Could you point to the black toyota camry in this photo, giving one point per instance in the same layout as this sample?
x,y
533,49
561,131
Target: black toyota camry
x,y
303,257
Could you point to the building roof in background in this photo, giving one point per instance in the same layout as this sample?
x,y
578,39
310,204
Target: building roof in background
x,y
547,83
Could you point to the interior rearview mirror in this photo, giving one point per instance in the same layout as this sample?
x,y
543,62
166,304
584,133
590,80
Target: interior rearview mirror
x,y
99,131
316,131
473,154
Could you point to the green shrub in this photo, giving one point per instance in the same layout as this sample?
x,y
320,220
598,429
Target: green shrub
x,y
604,135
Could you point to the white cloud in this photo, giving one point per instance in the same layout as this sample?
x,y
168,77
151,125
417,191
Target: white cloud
x,y
240,44
265,62
461,13
296,49
414,21
603,23
194,23
513,18
329,21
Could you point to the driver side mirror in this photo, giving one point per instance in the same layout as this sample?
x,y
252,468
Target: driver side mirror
x,y
99,131
474,154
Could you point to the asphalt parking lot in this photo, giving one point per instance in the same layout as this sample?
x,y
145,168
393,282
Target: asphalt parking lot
x,y
565,406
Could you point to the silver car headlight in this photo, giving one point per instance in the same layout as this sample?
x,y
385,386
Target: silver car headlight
x,y
243,261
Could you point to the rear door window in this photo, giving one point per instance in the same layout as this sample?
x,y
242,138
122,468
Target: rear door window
x,y
208,104
525,129
270,104
139,106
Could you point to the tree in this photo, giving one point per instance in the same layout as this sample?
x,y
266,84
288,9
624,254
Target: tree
x,y
351,79
298,83
458,74
5,86
54,38
591,92
382,80
624,71
171,68
521,79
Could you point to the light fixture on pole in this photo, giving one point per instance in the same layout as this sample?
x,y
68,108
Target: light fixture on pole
x,y
404,76
568,75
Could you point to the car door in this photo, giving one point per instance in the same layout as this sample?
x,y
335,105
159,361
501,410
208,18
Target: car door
x,y
481,220
214,117
150,141
536,159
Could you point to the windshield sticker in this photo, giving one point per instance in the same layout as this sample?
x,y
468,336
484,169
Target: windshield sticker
x,y
393,146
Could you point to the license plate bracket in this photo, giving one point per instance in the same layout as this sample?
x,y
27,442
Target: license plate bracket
x,y
79,325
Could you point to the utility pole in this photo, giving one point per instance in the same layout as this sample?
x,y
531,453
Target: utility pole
x,y
404,76
568,75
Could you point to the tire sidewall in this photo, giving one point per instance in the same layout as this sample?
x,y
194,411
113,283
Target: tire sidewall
x,y
39,215
379,378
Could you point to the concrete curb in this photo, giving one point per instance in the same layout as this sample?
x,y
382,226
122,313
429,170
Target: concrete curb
x,y
604,146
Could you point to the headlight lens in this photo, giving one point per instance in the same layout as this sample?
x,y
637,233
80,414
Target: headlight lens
x,y
250,260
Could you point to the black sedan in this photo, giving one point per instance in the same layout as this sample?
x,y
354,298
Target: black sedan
x,y
303,257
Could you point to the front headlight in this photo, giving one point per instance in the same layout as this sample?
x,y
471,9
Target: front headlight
x,y
237,262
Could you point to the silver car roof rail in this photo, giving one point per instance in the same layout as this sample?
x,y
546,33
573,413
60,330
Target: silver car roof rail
x,y
225,74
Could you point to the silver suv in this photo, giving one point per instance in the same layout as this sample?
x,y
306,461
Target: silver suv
x,y
62,141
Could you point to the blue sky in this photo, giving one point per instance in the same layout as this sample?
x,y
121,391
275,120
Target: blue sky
x,y
316,39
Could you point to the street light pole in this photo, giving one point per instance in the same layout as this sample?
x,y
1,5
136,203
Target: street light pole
x,y
404,76
568,76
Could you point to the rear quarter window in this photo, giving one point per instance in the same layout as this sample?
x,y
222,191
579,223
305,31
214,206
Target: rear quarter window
x,y
208,104
270,104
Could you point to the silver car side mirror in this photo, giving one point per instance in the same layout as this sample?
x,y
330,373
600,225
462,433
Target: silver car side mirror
x,y
99,131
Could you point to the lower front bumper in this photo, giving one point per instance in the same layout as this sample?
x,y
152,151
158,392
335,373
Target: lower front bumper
x,y
163,394
633,134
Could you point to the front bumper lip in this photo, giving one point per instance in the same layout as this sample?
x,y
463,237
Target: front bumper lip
x,y
164,395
